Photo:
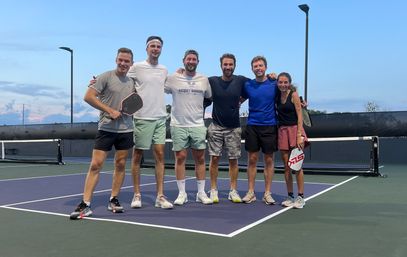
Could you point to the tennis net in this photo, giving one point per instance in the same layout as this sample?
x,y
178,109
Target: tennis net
x,y
334,155
46,151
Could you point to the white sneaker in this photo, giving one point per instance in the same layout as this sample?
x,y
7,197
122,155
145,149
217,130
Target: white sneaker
x,y
203,198
268,199
181,199
234,196
288,202
136,202
163,203
249,197
213,194
299,202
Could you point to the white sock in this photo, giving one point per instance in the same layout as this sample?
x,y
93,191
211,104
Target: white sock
x,y
87,203
181,185
201,185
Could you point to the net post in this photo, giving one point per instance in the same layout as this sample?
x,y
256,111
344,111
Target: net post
x,y
3,154
59,157
375,156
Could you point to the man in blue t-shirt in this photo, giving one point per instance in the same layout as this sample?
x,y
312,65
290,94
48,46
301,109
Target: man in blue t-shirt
x,y
261,129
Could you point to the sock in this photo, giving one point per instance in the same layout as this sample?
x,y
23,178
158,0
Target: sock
x,y
291,194
181,185
87,203
201,185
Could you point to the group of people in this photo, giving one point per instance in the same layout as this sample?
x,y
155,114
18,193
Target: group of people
x,y
274,122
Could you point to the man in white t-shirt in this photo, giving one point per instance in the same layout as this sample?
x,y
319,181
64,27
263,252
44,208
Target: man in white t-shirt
x,y
149,121
188,130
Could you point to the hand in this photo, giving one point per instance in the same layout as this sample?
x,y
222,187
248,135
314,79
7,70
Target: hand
x,y
300,142
180,70
272,76
304,103
114,115
92,81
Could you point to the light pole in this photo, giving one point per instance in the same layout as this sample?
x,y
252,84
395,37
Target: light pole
x,y
71,51
305,8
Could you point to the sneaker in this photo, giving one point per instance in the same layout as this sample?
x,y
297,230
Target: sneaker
x,y
288,202
234,196
163,203
181,199
201,197
249,197
213,194
114,206
136,202
299,202
268,199
82,210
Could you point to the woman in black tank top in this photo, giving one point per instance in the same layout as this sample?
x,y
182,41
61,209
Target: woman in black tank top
x,y
291,135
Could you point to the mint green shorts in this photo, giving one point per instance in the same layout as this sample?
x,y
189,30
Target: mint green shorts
x,y
147,132
189,137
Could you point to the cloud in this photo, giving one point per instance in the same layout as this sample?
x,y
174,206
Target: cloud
x,y
9,46
37,90
40,104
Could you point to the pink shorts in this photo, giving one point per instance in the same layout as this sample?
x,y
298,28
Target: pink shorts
x,y
287,137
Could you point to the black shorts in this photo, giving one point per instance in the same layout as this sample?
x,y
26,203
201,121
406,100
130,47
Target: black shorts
x,y
261,137
105,140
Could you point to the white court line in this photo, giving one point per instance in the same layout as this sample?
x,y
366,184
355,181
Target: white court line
x,y
236,232
121,221
49,176
65,175
285,209
23,166
329,189
73,195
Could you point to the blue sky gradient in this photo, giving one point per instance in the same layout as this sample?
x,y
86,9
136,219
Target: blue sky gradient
x,y
357,49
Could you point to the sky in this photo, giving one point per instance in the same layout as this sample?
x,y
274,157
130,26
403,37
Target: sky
x,y
357,50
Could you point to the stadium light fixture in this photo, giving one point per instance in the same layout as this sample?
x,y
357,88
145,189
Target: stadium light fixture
x,y
305,8
71,51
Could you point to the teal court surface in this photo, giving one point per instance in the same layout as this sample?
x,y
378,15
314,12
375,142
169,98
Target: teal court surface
x,y
343,216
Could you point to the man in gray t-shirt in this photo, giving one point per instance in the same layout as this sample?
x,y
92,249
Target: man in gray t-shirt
x,y
114,129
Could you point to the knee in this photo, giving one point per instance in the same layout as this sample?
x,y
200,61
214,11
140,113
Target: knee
x,y
159,156
95,167
215,160
137,155
180,158
120,164
253,160
200,160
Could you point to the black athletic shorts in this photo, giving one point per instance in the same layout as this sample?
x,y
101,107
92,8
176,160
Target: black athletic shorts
x,y
106,140
261,137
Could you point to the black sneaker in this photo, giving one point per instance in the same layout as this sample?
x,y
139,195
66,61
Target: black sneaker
x,y
114,206
83,210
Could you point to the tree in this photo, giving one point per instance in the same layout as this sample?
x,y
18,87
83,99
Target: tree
x,y
372,107
311,111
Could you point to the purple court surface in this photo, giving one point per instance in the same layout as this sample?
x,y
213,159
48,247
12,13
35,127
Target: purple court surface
x,y
59,195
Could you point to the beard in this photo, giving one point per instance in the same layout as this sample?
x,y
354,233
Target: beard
x,y
228,72
190,67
